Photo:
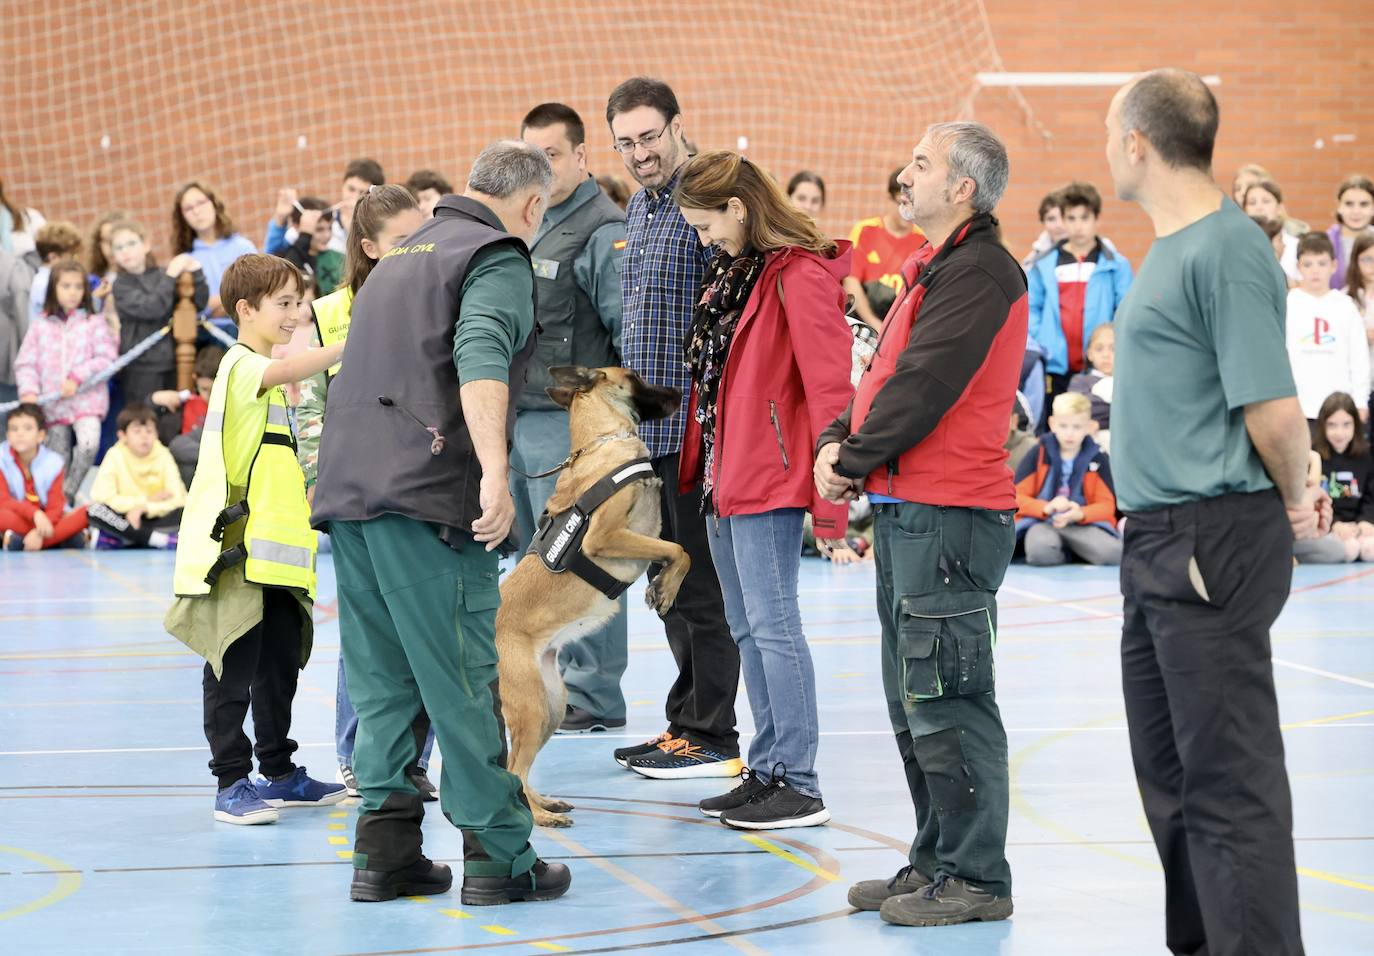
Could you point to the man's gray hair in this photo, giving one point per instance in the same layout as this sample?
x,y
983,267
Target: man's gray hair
x,y
509,166
973,150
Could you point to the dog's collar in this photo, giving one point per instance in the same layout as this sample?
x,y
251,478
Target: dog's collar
x,y
567,462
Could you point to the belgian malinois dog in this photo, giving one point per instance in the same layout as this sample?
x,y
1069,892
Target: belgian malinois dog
x,y
541,610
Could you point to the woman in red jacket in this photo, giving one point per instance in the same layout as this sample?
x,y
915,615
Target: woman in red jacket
x,y
769,353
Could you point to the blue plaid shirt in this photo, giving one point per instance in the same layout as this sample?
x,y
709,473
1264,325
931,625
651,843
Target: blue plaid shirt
x,y
660,277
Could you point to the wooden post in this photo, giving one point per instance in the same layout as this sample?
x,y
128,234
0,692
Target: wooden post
x,y
185,328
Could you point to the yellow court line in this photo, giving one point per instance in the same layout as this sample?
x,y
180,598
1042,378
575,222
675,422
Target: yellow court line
x,y
789,856
457,914
553,947
339,814
1317,722
1344,914
118,578
98,656
418,899
344,854
1333,878
337,826
647,889
500,930
338,841
68,882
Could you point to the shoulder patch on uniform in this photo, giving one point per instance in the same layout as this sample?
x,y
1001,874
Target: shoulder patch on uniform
x,y
1094,466
618,244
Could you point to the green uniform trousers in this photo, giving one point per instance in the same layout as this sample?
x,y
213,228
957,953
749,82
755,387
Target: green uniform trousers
x,y
938,573
417,625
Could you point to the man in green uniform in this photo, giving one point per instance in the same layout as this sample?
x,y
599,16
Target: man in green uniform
x,y
413,490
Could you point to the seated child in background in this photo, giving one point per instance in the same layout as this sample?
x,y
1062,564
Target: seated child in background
x,y
33,513
1342,463
1096,381
1064,492
138,494
1327,343
66,347
313,225
55,241
193,406
144,297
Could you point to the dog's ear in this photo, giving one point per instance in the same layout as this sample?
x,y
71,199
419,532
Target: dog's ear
x,y
561,396
576,377
654,401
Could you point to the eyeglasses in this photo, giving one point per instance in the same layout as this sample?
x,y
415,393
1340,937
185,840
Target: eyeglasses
x,y
649,140
191,207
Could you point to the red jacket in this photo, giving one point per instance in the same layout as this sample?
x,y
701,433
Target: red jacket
x,y
930,416
784,381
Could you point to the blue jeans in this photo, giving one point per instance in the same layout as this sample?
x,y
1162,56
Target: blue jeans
x,y
757,558
346,726
592,665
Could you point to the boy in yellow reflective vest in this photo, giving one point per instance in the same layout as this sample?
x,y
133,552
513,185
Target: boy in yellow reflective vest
x,y
245,569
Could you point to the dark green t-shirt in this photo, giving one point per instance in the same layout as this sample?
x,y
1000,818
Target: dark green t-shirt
x,y
1199,336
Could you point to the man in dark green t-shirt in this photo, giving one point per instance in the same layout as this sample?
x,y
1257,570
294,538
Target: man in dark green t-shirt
x,y
1209,452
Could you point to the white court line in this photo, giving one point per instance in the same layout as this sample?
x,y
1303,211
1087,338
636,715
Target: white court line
x,y
1330,675
61,599
604,737
1081,608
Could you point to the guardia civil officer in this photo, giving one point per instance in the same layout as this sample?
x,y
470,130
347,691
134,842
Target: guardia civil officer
x,y
413,489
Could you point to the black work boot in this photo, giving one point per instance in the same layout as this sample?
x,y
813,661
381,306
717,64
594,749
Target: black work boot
x,y
543,881
945,902
870,894
422,878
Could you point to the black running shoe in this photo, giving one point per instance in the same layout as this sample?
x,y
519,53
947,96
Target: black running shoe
x,y
751,785
579,721
624,755
777,808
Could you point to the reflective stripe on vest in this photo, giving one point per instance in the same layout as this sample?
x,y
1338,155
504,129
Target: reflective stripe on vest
x,y
333,315
279,541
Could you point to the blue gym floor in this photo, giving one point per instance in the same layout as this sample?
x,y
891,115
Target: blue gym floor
x,y
107,842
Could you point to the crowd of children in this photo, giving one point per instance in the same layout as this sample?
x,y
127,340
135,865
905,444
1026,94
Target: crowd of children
x,y
64,321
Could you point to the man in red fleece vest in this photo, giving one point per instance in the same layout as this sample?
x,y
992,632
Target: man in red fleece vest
x,y
923,437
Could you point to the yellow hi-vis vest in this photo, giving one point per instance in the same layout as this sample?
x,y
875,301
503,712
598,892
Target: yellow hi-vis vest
x,y
333,314
266,525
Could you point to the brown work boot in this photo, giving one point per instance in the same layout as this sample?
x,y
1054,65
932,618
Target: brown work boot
x,y
944,903
870,894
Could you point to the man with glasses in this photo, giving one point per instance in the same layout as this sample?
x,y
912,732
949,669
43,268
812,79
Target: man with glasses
x,y
661,275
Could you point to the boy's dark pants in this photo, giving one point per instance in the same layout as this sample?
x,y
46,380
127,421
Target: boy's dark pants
x,y
117,526
1203,583
260,670
938,574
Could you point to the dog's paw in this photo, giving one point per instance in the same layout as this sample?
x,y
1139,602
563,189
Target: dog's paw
x,y
542,818
658,597
557,806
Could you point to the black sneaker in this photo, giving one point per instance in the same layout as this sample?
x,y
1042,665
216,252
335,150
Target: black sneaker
x,y
420,781
779,807
543,881
750,786
422,878
624,755
680,759
945,902
871,894
579,721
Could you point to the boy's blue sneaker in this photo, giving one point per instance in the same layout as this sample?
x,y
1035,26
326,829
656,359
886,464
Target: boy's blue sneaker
x,y
240,803
299,790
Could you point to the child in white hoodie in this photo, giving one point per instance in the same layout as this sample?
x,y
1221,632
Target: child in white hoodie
x,y
1326,335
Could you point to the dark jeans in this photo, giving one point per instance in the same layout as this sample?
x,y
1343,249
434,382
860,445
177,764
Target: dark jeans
x,y
1203,583
701,702
260,670
938,574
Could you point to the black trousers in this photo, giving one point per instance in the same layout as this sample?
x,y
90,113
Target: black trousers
x,y
1203,583
117,526
701,702
260,671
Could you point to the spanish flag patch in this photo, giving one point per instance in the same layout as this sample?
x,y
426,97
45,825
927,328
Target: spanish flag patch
x,y
617,246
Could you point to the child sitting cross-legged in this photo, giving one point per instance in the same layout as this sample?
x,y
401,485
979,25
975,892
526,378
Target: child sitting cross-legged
x,y
33,510
138,495
1064,491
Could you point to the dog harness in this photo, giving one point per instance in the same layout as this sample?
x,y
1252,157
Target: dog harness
x,y
558,542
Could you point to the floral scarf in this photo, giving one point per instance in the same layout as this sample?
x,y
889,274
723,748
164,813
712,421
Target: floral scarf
x,y
724,292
